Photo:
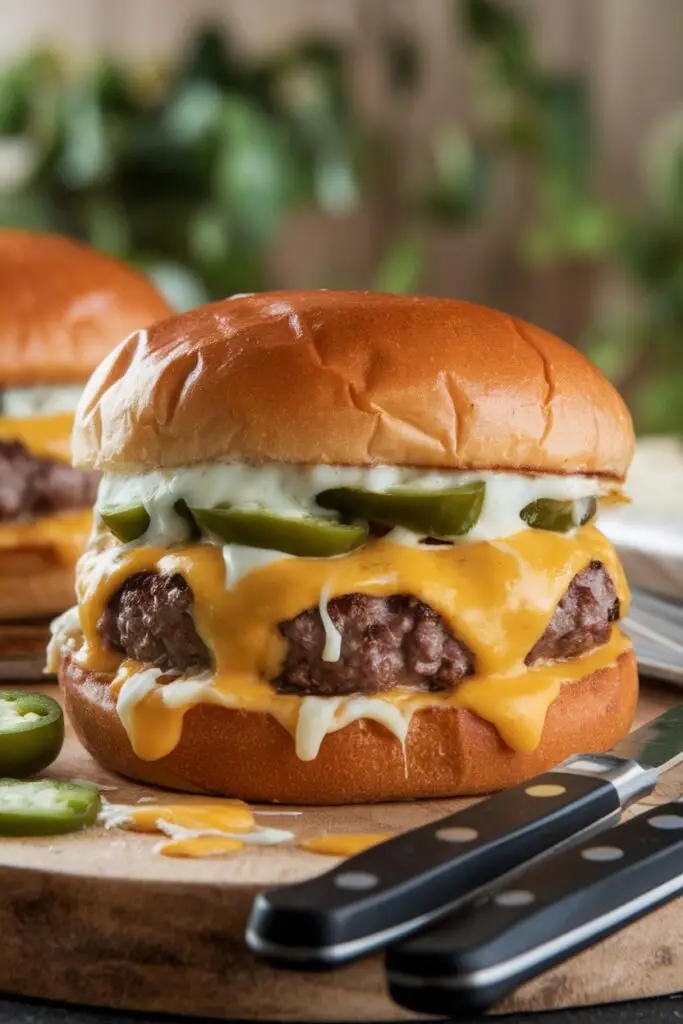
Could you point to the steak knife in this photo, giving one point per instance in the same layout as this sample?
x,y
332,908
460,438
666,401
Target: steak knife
x,y
471,961
399,886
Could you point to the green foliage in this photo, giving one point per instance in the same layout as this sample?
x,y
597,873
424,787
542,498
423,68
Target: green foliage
x,y
192,172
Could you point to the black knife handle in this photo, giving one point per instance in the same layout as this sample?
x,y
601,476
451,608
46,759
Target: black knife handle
x,y
469,962
402,884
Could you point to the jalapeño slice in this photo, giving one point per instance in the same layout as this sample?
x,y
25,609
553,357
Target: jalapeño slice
x,y
559,516
46,807
443,514
31,732
306,537
126,523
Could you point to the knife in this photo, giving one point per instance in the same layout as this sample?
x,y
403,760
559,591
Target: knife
x,y
406,883
471,961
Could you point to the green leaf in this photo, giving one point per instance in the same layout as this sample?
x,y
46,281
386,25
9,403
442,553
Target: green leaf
x,y
106,226
402,58
461,177
657,406
336,185
256,177
85,154
401,266
210,239
503,32
663,167
28,209
564,135
193,113
614,345
181,285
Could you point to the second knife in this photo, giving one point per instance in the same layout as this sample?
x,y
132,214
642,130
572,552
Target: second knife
x,y
405,883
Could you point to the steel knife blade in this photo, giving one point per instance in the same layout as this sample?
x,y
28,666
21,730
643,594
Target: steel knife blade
x,y
406,883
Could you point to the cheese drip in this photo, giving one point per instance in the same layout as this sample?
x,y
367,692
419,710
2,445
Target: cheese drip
x,y
49,436
60,538
496,597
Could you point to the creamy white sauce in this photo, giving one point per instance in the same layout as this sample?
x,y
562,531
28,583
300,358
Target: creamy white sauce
x,y
65,633
120,815
132,692
259,837
43,399
240,560
333,637
290,490
317,716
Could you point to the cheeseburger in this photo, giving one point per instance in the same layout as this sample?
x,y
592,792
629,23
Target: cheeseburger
x,y
345,550
63,307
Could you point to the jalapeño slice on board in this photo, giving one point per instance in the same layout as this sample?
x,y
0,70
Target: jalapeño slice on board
x,y
31,732
46,807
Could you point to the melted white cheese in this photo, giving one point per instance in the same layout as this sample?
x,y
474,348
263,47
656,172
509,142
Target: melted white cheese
x,y
333,637
290,490
241,560
133,690
65,633
259,837
120,815
43,399
317,717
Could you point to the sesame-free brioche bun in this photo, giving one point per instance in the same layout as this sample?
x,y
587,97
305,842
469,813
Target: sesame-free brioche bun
x,y
449,752
351,378
63,308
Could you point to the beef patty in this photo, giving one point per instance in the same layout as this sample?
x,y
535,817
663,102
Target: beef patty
x,y
386,641
32,486
150,619
582,619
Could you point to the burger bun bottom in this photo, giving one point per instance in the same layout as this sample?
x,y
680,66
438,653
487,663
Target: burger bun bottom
x,y
449,752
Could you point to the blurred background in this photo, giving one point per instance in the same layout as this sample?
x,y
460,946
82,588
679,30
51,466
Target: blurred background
x,y
527,155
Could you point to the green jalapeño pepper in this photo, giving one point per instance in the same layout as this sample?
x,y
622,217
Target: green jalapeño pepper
x,y
306,537
127,523
46,807
442,514
31,732
559,516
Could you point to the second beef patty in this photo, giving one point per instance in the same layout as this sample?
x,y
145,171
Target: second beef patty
x,y
386,641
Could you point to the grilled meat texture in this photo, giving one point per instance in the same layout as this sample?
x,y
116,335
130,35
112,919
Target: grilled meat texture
x,y
32,486
386,642
582,619
150,619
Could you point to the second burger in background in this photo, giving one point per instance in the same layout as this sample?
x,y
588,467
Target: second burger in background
x,y
63,307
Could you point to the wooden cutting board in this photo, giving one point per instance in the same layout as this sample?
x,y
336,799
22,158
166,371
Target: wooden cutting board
x,y
99,918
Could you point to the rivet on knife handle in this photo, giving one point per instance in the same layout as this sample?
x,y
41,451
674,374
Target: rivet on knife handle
x,y
398,886
472,960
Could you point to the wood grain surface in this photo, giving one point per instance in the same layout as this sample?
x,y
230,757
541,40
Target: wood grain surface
x,y
99,918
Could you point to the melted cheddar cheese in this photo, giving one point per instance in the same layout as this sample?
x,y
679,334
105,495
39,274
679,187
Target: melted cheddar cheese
x,y
60,538
497,597
49,436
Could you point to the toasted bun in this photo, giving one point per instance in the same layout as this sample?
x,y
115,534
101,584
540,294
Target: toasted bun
x,y
351,378
63,307
449,752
